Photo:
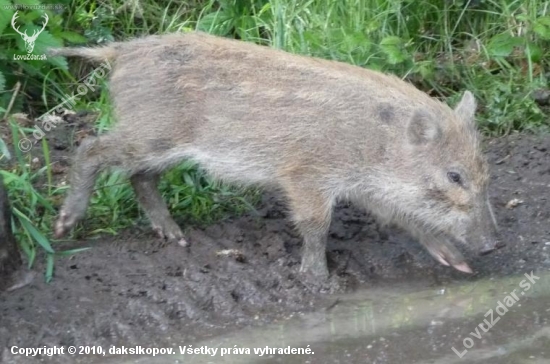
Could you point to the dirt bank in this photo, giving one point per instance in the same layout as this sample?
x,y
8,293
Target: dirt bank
x,y
129,290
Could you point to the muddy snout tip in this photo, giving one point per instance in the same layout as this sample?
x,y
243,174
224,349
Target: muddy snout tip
x,y
463,267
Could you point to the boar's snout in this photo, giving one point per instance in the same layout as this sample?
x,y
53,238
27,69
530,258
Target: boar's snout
x,y
486,235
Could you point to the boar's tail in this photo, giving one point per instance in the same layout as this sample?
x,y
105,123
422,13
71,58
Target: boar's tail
x,y
106,53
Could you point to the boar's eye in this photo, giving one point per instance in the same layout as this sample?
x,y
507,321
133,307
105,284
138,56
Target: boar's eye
x,y
454,177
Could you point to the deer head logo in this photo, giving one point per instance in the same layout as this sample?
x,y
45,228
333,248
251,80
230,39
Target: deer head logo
x,y
29,40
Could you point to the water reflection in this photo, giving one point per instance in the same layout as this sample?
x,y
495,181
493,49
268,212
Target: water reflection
x,y
479,322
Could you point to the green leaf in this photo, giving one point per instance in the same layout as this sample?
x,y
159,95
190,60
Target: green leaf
x,y
73,37
6,14
72,251
49,267
264,9
8,177
4,150
372,26
245,27
188,179
45,41
425,68
544,20
2,82
502,45
218,23
533,52
542,27
391,40
16,138
393,48
37,235
28,2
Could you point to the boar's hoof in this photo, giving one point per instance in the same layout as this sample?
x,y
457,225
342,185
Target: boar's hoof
x,y
20,279
170,233
317,272
64,223
323,283
183,243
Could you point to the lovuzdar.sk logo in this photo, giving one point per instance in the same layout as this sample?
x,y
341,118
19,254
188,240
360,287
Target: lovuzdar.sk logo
x,y
29,39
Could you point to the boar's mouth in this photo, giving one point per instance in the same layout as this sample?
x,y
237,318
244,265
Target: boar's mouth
x,y
445,252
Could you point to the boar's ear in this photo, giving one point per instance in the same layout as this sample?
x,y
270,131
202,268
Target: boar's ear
x,y
466,108
423,128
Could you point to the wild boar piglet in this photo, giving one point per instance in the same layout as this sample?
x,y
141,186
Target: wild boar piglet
x,y
320,131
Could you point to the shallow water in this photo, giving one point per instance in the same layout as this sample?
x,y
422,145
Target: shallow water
x,y
406,325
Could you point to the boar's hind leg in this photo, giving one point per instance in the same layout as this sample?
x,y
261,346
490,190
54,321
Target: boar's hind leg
x,y
93,155
312,212
145,186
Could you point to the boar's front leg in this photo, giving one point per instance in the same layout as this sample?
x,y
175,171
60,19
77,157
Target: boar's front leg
x,y
145,186
312,212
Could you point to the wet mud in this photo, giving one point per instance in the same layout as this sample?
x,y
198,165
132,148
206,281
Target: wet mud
x,y
243,272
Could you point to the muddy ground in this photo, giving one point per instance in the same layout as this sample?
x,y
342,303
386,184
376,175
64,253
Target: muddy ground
x,y
129,290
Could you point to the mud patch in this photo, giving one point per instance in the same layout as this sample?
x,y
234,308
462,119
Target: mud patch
x,y
243,271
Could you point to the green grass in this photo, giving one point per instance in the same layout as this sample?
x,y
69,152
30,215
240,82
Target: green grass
x,y
498,49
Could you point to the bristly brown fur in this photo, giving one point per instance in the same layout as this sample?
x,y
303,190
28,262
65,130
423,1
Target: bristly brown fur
x,y
319,130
